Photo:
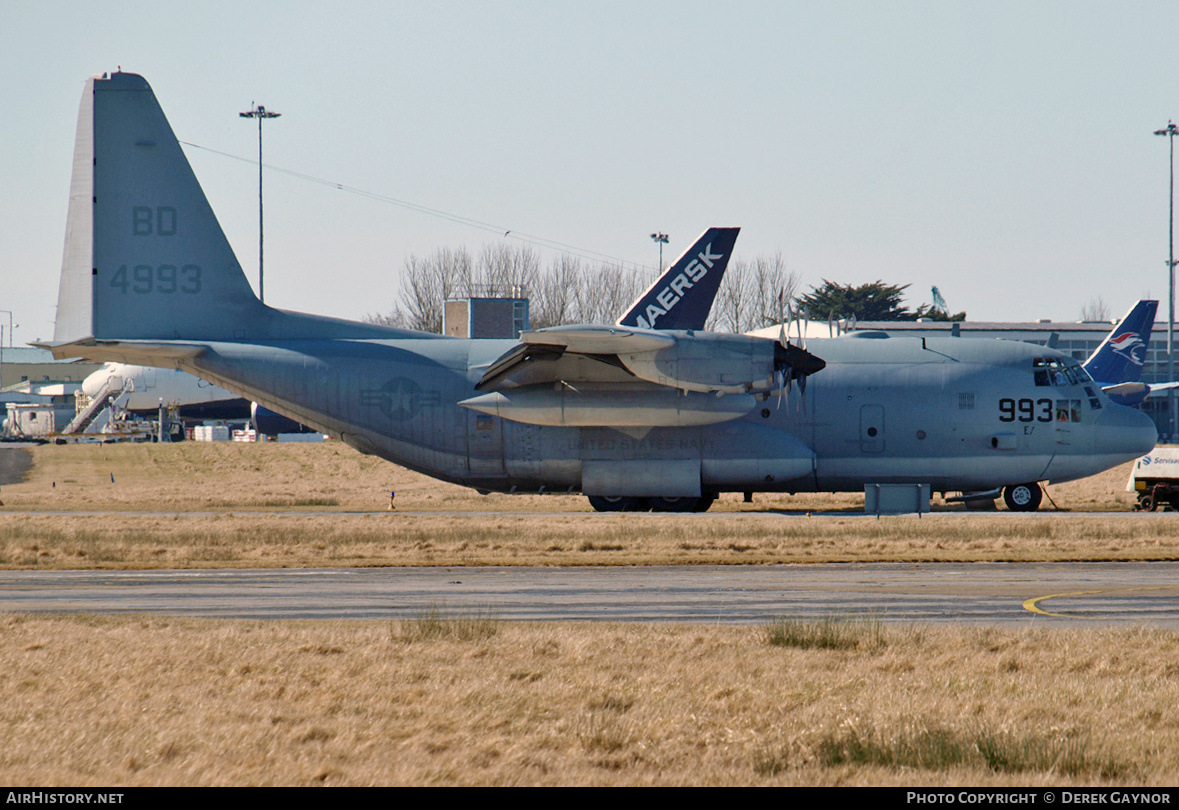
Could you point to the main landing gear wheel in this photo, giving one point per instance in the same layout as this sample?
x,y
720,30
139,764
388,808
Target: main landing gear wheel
x,y
1023,497
615,503
674,504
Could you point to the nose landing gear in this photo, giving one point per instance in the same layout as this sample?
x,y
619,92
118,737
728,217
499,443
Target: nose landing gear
x,y
1023,497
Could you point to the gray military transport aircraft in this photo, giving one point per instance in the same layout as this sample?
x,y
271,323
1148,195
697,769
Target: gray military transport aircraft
x,y
633,416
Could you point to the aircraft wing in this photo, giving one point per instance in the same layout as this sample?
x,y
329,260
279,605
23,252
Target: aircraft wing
x,y
600,339
580,353
592,375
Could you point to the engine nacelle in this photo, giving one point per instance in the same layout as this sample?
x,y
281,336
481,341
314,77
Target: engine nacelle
x,y
612,405
708,362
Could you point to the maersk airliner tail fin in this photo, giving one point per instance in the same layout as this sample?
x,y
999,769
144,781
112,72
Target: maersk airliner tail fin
x,y
682,297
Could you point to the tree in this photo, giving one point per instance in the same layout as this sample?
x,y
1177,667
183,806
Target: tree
x,y
427,283
567,291
553,299
503,271
753,294
876,301
603,292
1096,310
933,312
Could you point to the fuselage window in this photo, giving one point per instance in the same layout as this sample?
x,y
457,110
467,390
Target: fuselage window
x,y
1068,410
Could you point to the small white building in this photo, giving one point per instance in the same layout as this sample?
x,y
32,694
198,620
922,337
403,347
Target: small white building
x,y
29,421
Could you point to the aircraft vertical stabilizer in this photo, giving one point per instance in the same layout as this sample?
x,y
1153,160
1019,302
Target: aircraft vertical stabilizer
x,y
1120,356
682,297
143,247
145,258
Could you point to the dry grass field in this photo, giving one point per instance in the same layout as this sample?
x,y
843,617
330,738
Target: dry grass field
x,y
203,476
453,701
241,505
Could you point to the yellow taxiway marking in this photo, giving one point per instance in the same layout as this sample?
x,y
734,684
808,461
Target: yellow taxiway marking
x,y
1033,604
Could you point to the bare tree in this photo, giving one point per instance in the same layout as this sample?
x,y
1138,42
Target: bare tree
x,y
604,291
553,297
395,317
729,309
1096,310
427,282
504,271
754,294
773,287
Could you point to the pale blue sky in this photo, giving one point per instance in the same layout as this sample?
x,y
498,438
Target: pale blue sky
x,y
1000,150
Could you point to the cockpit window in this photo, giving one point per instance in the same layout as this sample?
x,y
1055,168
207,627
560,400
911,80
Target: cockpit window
x,y
1058,371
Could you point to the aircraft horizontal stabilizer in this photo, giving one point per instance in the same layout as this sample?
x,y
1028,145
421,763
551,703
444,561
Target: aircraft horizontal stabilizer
x,y
1136,391
1126,389
132,352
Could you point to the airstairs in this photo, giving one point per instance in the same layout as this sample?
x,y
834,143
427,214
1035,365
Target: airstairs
x,y
111,398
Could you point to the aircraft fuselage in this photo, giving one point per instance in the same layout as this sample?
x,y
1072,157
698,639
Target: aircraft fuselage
x,y
957,414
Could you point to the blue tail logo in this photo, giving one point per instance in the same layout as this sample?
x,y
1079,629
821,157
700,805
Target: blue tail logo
x,y
1130,346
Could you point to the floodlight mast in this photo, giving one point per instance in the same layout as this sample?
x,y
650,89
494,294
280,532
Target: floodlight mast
x,y
1170,132
260,112
661,238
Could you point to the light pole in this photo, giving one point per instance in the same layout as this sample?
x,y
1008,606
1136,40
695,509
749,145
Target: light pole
x,y
1170,132
661,238
1,342
260,112
7,312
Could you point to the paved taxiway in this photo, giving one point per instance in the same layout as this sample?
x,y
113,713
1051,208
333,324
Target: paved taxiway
x,y
1042,594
